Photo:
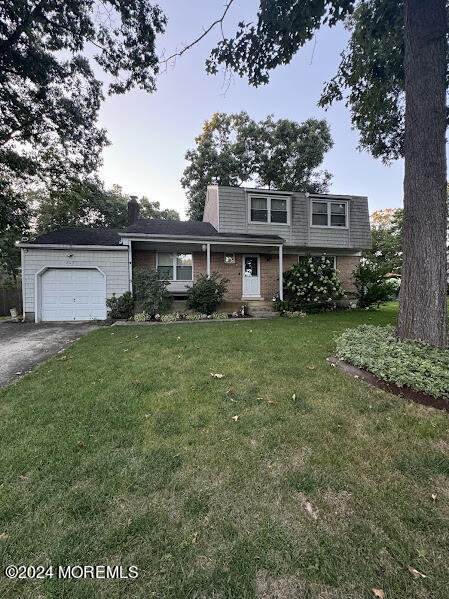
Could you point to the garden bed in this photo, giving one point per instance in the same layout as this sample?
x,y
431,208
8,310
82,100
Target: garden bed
x,y
413,367
407,392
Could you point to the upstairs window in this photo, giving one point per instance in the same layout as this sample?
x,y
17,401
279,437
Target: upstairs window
x,y
268,210
329,214
175,267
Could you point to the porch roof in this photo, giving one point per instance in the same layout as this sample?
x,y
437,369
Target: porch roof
x,y
172,229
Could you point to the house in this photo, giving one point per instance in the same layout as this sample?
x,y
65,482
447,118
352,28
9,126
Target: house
x,y
251,236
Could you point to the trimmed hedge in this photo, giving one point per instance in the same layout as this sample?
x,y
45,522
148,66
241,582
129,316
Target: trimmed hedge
x,y
414,364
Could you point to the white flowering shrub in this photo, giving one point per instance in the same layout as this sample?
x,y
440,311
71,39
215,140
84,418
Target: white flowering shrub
x,y
310,286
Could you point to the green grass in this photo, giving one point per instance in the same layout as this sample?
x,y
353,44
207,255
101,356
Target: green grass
x,y
327,494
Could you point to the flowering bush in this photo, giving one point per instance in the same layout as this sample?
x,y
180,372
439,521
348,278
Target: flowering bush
x,y
193,316
310,286
170,317
413,363
373,288
295,314
141,317
220,315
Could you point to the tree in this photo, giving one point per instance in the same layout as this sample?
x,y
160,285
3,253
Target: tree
x,y
234,149
398,49
49,94
386,237
88,204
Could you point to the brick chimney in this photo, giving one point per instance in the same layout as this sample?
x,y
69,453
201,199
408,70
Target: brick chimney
x,y
133,210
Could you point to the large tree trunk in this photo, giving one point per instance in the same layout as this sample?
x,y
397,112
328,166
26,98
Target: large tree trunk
x,y
423,308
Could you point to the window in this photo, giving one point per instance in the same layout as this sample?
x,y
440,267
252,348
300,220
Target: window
x,y
259,210
278,211
268,210
329,214
229,258
175,267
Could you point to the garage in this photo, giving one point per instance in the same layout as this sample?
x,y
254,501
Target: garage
x,y
72,294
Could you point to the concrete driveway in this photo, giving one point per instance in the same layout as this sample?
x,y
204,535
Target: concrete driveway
x,y
25,345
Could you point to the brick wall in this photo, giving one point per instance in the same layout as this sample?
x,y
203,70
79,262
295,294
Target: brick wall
x,y
346,266
269,270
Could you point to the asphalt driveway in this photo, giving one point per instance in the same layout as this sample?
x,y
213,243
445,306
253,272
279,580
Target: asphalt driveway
x,y
25,345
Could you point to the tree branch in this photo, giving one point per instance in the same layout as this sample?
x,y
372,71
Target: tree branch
x,y
219,21
15,36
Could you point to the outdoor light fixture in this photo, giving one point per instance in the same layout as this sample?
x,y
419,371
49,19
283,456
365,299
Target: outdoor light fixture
x,y
204,247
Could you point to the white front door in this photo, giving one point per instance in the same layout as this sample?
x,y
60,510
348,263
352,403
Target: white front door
x,y
73,294
251,276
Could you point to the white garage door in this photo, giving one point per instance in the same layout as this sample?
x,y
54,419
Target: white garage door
x,y
73,294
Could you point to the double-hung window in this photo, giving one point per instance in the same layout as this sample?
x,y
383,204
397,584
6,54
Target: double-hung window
x,y
268,210
329,214
175,267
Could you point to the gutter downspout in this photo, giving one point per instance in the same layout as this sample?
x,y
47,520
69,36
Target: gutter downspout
x,y
22,253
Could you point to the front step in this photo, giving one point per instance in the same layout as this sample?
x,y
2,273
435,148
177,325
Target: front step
x,y
261,309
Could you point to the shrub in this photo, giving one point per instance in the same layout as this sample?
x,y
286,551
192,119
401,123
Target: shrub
x,y
170,317
413,363
296,314
193,316
120,307
373,289
310,286
150,292
220,315
207,293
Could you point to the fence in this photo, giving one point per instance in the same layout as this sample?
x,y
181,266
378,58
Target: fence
x,y
10,297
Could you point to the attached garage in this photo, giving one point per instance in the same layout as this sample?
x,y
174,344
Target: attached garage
x,y
72,294
68,274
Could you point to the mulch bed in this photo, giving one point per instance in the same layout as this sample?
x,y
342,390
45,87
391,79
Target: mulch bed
x,y
417,396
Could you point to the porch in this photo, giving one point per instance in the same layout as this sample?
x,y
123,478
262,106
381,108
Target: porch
x,y
254,268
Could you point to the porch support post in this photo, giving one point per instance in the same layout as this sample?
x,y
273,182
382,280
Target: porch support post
x,y
281,279
208,260
130,264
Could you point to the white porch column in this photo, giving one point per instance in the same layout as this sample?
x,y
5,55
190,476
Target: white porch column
x,y
208,260
281,279
130,264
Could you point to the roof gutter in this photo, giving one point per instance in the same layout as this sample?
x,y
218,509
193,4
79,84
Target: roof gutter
x,y
59,246
202,238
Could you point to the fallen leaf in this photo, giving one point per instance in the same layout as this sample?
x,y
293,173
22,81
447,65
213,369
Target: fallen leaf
x,y
20,372
136,382
22,477
333,365
195,538
235,418
379,593
250,330
294,396
179,357
197,347
178,338
229,392
308,507
272,403
216,375
356,376
137,336
311,367
416,573
81,443
3,536
125,350
193,387
62,358
260,398
147,415
434,496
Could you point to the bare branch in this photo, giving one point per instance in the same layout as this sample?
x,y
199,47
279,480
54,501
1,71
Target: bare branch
x,y
219,21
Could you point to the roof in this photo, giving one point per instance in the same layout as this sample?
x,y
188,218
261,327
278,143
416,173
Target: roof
x,y
152,226
86,236
111,237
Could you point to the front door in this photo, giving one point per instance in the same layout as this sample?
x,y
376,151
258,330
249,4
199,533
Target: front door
x,y
251,276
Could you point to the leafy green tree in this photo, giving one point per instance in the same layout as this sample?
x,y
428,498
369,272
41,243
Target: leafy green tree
x,y
49,93
234,149
386,238
88,204
395,73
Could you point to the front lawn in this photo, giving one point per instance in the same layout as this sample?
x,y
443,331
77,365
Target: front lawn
x,y
128,452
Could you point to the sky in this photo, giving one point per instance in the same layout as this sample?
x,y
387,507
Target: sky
x,y
150,133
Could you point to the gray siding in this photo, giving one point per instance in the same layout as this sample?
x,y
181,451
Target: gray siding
x,y
233,218
114,264
211,206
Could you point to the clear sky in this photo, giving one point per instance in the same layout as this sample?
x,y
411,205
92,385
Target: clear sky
x,y
150,133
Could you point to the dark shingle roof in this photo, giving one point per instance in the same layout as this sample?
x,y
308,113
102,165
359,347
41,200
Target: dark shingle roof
x,y
143,226
151,226
79,237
